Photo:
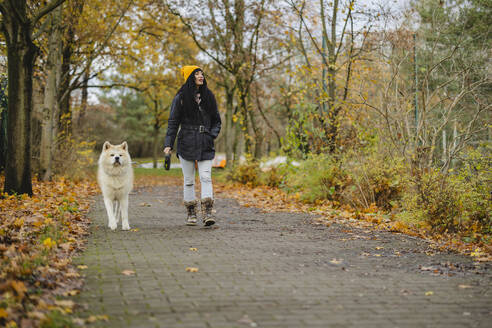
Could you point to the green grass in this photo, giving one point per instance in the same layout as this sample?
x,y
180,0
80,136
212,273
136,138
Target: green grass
x,y
142,160
57,319
141,172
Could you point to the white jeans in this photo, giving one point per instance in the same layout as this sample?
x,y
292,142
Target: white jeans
x,y
205,172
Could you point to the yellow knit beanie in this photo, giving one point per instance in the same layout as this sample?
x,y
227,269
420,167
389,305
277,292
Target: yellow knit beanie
x,y
187,70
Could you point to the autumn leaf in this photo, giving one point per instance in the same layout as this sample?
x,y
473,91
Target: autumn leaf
x,y
48,243
19,288
82,267
94,318
18,223
65,304
336,261
193,249
427,268
128,272
3,313
191,269
429,293
52,206
72,292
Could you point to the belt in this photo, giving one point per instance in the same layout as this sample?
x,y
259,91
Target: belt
x,y
199,128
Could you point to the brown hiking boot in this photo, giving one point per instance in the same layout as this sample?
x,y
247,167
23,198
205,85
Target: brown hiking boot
x,y
207,206
191,220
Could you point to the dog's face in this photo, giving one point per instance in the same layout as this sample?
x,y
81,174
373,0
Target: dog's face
x,y
115,155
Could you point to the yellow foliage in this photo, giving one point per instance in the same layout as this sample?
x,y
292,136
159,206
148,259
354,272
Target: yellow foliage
x,y
48,243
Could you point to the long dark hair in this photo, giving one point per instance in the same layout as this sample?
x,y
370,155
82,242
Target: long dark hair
x,y
189,90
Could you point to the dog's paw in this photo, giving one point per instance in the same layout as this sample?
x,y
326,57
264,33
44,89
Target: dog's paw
x,y
112,226
125,227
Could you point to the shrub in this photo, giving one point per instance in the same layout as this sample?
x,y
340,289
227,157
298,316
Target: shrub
x,y
247,173
274,176
318,177
474,179
436,196
74,157
457,201
374,179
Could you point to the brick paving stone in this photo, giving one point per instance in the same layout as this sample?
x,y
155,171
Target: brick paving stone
x,y
270,270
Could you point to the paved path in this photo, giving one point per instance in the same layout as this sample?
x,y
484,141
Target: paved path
x,y
271,270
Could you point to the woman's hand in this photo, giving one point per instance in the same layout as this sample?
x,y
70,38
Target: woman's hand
x,y
167,150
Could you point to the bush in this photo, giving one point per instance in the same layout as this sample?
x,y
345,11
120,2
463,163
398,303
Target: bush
x,y
274,176
375,179
318,177
434,196
458,201
247,173
474,179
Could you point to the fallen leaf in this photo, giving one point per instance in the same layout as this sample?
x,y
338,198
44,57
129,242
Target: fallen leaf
x,y
193,249
379,247
335,261
72,292
464,286
405,292
429,293
94,318
19,288
144,204
72,275
128,272
65,246
82,267
191,269
3,314
134,230
427,268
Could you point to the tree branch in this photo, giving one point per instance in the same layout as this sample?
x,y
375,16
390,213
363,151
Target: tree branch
x,y
194,37
46,10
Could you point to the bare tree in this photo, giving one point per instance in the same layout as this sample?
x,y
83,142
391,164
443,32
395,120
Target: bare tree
x,y
230,32
336,49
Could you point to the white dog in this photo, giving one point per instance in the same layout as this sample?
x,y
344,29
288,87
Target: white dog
x,y
115,177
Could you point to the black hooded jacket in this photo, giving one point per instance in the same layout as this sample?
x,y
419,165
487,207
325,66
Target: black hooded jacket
x,y
198,125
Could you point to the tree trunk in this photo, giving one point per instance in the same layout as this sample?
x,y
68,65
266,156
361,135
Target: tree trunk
x,y
258,136
236,143
155,145
63,89
229,130
85,95
3,122
21,54
243,106
50,97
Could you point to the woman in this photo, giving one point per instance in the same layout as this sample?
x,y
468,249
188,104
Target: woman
x,y
194,109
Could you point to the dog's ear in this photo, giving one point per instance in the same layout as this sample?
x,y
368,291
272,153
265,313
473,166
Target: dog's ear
x,y
124,146
106,145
